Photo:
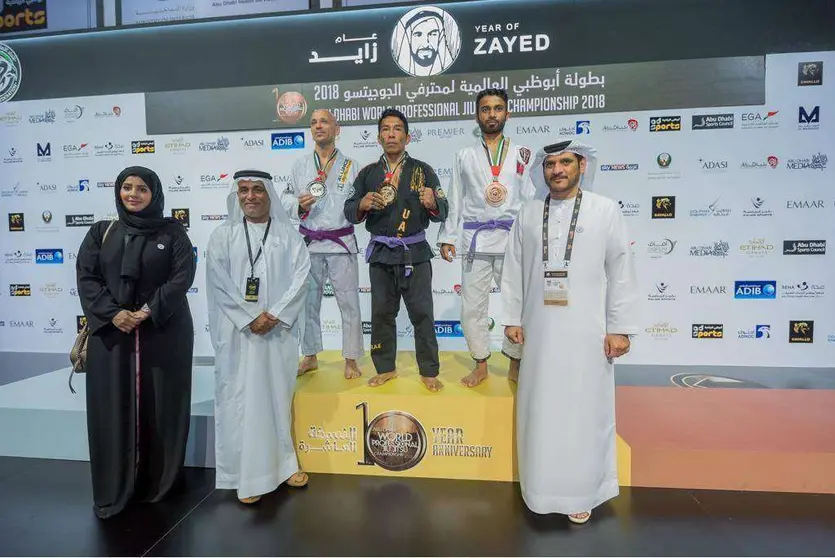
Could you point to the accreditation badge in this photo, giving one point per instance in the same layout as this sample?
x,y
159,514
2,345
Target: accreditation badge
x,y
556,286
252,287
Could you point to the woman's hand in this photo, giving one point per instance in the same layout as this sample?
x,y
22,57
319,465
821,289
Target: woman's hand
x,y
125,321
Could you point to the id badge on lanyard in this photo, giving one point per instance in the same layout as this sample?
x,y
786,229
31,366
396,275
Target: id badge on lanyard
x,y
557,286
253,283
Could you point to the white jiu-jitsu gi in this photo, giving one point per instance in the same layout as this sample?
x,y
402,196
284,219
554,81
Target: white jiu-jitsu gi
x,y
479,233
255,375
565,414
333,251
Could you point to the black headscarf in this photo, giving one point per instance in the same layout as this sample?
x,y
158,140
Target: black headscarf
x,y
138,225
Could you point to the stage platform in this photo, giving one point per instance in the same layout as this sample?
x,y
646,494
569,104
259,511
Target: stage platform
x,y
743,438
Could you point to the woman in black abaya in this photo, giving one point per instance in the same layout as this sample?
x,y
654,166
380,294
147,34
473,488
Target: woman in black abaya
x,y
139,355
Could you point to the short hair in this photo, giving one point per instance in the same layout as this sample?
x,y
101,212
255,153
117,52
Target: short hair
x,y
491,93
397,114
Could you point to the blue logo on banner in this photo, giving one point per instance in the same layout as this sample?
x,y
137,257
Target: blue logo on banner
x,y
49,256
448,329
755,289
763,331
291,140
194,251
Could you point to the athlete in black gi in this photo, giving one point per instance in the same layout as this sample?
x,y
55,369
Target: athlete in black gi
x,y
397,197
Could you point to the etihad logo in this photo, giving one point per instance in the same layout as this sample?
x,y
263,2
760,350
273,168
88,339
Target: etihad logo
x,y
801,331
756,248
661,331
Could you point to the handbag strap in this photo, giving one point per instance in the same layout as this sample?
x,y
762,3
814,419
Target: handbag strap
x,y
110,226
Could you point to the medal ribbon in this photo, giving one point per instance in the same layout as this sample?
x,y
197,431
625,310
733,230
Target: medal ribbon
x,y
569,243
496,160
322,175
390,171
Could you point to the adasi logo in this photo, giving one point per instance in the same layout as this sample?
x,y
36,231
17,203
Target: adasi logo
x,y
16,223
426,42
801,331
708,331
663,207
11,72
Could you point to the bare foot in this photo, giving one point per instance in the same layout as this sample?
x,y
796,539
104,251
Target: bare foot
x,y
513,370
298,479
352,371
432,384
380,379
308,364
478,375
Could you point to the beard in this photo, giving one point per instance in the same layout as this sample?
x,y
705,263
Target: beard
x,y
492,128
425,56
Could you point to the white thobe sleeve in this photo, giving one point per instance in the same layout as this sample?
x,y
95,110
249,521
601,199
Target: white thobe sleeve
x,y
224,292
451,226
528,188
622,290
290,199
291,304
513,276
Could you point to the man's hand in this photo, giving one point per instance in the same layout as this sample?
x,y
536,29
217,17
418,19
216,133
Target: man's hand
x,y
305,201
263,324
427,198
448,252
515,334
615,345
372,201
125,321
141,315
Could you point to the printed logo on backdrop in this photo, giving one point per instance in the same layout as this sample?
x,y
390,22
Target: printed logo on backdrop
x,y
106,185
801,331
45,117
16,191
18,257
44,152
47,225
10,118
759,120
220,144
760,331
665,124
109,149
715,209
14,156
817,161
661,292
11,74
51,290
629,209
53,327
214,181
179,185
253,144
49,256
713,166
808,120
143,147
76,151
804,247
543,129
770,162
660,248
804,204
580,127
182,216
664,164
712,121
448,328
663,207
755,290
216,217
718,249
83,185
756,248
617,167
114,112
85,220
630,126
708,331
758,209
809,73
426,42
804,290
368,139
16,222
20,289
22,15
73,114
704,290
290,106
178,145
291,140
661,331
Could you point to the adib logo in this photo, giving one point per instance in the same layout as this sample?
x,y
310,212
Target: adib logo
x,y
448,328
49,256
292,140
750,290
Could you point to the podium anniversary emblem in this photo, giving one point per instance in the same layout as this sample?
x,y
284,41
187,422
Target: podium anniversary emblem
x,y
394,440
11,73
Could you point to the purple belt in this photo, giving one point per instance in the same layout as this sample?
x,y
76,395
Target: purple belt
x,y
332,235
479,226
393,242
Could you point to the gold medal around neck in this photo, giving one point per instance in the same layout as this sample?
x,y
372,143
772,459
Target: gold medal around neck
x,y
495,194
389,193
317,189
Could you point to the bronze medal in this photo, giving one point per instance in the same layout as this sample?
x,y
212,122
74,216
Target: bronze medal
x,y
389,193
495,194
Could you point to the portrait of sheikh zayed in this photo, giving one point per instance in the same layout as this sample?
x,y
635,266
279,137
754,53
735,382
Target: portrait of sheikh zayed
x,y
426,41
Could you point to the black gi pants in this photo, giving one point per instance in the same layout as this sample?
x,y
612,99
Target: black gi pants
x,y
388,284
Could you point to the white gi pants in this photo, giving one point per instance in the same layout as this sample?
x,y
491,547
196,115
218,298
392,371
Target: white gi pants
x,y
477,279
343,273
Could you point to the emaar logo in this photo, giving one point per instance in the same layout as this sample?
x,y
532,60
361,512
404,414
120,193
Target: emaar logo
x,y
49,256
448,329
291,140
748,290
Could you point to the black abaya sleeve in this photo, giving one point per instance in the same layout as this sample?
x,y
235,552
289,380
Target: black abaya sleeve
x,y
169,297
98,304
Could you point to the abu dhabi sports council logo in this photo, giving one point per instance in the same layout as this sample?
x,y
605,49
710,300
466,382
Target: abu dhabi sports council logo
x,y
11,73
426,41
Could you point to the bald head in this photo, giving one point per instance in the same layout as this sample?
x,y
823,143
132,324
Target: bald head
x,y
323,127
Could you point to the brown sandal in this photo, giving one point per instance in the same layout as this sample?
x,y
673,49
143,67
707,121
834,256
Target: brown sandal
x,y
298,480
250,500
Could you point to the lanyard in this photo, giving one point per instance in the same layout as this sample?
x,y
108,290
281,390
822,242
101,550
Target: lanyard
x,y
252,262
390,171
569,244
319,167
497,160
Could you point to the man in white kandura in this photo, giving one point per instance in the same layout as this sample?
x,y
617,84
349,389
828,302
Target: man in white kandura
x,y
321,182
573,303
490,182
256,275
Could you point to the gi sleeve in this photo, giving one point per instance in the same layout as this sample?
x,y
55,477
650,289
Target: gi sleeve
x,y
97,303
439,214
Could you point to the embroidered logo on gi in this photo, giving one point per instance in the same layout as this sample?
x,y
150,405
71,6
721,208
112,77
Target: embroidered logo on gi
x,y
418,179
440,193
525,154
161,246
343,173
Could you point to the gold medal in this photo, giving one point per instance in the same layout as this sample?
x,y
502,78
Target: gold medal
x,y
317,189
388,192
495,194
